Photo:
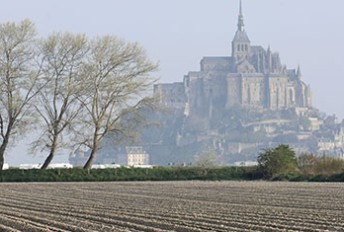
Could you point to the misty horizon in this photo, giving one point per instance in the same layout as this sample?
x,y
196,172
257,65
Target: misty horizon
x,y
178,34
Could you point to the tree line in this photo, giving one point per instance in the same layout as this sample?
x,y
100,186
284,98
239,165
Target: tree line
x,y
281,162
75,90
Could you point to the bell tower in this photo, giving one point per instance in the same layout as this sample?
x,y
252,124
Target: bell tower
x,y
241,44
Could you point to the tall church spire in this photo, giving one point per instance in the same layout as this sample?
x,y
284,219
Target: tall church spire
x,y
241,43
240,18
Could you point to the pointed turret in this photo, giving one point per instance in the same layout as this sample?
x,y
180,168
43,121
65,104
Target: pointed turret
x,y
269,60
258,61
298,72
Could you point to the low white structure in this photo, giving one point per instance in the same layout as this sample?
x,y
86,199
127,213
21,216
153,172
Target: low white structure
x,y
246,163
5,166
51,166
142,166
103,166
98,166
30,166
60,165
112,165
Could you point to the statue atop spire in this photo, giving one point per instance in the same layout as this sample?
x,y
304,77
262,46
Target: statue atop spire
x,y
240,19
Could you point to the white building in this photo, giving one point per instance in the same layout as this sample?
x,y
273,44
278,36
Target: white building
x,y
136,155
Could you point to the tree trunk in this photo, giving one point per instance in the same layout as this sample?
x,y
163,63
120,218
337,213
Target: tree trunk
x,y
51,154
3,148
89,162
95,146
2,153
1,161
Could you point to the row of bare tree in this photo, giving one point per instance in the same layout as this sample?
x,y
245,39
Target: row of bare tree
x,y
75,90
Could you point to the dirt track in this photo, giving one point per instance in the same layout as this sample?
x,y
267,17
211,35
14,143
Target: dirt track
x,y
172,206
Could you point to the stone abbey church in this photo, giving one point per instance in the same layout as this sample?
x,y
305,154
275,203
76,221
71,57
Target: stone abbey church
x,y
252,77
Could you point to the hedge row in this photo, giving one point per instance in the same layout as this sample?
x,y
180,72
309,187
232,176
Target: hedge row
x,y
128,174
151,174
317,178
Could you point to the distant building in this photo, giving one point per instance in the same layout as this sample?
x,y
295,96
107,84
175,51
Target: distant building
x,y
136,156
315,123
251,77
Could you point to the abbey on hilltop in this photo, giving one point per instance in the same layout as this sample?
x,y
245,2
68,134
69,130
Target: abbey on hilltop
x,y
230,110
252,77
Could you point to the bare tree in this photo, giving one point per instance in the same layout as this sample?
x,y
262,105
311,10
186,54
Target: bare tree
x,y
17,79
206,160
63,56
117,74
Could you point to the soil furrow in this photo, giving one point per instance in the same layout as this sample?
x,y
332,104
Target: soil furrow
x,y
172,206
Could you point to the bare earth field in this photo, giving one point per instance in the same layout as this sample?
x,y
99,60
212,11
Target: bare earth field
x,y
172,206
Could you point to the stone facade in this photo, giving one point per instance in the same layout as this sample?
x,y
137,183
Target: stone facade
x,y
252,77
136,155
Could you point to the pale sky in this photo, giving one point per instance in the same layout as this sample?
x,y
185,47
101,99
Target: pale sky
x,y
178,33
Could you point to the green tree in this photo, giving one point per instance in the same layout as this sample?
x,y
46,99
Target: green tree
x,y
276,161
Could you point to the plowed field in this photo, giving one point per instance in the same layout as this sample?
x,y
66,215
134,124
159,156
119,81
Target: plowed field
x,y
172,206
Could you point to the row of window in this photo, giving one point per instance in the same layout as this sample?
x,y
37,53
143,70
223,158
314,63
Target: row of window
x,y
242,47
138,160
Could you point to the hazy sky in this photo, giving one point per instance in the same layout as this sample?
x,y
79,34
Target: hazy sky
x,y
178,33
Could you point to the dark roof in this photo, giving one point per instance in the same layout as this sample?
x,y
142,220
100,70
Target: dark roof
x,y
241,36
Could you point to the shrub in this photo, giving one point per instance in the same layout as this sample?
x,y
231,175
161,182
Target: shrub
x,y
277,161
311,165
